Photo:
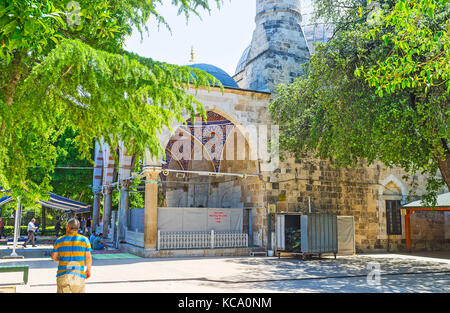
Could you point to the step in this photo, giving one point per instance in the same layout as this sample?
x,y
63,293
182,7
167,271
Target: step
x,y
8,289
258,253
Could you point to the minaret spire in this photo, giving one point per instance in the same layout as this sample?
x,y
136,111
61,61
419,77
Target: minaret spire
x,y
278,46
192,60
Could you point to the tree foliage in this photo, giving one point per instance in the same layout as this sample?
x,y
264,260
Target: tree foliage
x,y
72,177
339,109
63,64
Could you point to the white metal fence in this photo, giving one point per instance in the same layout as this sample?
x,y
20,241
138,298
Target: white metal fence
x,y
201,240
135,238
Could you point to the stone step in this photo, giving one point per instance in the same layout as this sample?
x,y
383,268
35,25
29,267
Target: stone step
x,y
258,253
28,253
8,289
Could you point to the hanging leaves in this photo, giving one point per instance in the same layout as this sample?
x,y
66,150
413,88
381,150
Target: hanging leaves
x,y
63,64
376,92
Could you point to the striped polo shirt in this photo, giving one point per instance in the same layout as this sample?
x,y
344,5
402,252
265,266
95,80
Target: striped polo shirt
x,y
72,255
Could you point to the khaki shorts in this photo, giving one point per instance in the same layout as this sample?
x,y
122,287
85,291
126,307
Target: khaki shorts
x,y
70,284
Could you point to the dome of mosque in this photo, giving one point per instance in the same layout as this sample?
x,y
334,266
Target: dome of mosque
x,y
221,75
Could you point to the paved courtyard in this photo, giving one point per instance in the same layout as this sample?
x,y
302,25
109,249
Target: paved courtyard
x,y
399,273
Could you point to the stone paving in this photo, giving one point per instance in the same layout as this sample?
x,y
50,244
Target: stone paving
x,y
399,273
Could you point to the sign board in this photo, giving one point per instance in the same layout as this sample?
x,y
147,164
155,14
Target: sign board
x,y
272,208
200,219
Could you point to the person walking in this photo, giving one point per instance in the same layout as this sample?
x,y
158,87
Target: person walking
x,y
31,229
88,225
83,225
73,254
2,227
37,224
58,226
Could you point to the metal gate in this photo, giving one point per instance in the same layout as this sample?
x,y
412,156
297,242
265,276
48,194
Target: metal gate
x,y
346,235
279,231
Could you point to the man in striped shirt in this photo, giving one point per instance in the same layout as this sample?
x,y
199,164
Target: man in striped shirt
x,y
73,254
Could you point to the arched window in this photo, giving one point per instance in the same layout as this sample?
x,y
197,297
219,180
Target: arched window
x,y
393,214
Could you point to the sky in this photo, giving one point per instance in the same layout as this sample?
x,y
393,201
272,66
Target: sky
x,y
218,38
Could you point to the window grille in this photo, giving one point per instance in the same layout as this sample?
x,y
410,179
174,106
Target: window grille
x,y
393,217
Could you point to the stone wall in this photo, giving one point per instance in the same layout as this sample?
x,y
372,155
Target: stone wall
x,y
428,230
299,183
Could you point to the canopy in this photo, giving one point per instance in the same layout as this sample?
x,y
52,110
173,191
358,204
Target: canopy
x,y
5,200
443,204
443,201
56,202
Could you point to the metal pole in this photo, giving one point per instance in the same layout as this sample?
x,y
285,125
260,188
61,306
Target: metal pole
x,y
206,173
117,223
16,227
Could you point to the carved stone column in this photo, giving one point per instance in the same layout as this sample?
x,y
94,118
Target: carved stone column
x,y
95,210
107,206
123,208
151,207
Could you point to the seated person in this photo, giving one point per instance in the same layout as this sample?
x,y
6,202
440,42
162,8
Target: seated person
x,y
99,244
92,238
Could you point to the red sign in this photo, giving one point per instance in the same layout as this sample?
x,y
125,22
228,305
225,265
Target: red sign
x,y
218,216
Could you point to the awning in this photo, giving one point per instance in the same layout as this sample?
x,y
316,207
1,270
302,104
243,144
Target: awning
x,y
5,200
443,204
443,201
56,202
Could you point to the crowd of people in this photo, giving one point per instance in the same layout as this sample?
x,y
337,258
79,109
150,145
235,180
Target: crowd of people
x,y
95,234
76,238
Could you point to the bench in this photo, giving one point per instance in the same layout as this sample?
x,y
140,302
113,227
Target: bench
x,y
16,268
260,253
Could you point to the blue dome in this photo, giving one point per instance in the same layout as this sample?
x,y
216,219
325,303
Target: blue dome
x,y
243,60
221,75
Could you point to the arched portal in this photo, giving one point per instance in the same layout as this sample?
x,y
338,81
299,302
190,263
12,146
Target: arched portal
x,y
392,191
214,145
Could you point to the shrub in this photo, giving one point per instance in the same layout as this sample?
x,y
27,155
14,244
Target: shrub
x,y
9,231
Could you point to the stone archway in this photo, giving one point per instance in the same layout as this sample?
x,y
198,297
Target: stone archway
x,y
391,223
224,148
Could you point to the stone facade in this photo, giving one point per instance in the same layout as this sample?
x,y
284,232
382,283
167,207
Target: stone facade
x,y
298,186
244,109
360,192
277,50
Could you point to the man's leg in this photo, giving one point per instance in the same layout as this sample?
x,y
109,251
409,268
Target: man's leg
x,y
70,284
28,239
32,239
78,285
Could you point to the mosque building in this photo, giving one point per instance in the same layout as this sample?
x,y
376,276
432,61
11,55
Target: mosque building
x,y
217,174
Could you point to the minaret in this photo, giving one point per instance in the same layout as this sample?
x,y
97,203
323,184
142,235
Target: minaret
x,y
278,47
192,60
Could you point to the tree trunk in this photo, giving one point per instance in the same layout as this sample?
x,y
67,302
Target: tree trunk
x,y
444,167
15,78
44,220
10,90
80,196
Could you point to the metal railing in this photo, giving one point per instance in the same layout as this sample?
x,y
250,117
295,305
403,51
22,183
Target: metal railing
x,y
201,240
